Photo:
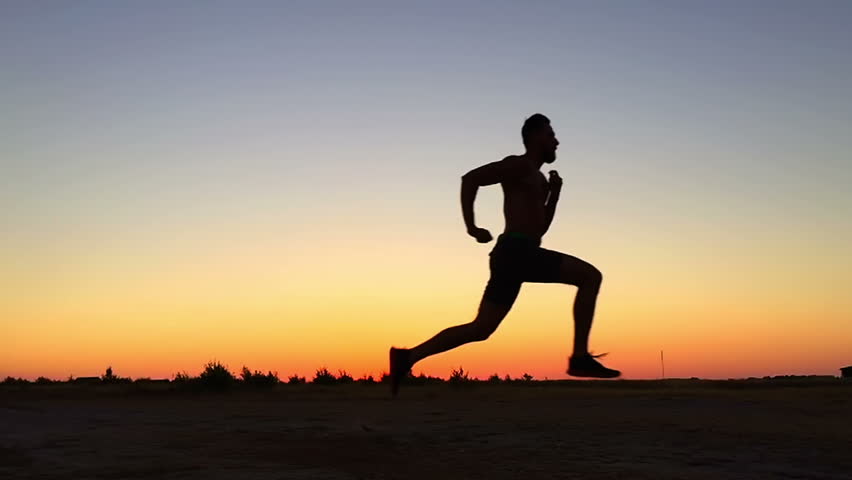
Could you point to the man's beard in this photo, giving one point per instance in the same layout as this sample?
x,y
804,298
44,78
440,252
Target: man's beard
x,y
550,157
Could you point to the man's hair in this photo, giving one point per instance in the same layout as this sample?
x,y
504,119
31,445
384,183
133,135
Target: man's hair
x,y
532,125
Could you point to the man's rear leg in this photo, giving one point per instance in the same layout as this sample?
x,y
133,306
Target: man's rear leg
x,y
486,322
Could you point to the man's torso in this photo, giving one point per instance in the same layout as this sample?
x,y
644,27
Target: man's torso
x,y
523,203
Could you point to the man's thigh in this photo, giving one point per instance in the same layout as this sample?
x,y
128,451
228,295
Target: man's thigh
x,y
549,266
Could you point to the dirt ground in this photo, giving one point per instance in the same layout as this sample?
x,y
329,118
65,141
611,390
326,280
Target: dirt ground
x,y
577,430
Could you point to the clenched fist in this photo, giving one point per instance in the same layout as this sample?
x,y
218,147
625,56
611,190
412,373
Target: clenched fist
x,y
480,234
555,181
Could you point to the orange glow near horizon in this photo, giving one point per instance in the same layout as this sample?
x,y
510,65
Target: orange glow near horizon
x,y
331,308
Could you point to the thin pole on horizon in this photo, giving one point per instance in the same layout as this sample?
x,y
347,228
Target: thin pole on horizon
x,y
662,365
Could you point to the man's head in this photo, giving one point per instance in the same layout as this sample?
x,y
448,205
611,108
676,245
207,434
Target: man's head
x,y
539,138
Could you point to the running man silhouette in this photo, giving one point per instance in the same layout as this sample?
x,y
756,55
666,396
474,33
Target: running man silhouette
x,y
529,203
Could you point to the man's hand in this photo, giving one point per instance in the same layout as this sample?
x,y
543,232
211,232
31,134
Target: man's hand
x,y
555,181
555,184
480,234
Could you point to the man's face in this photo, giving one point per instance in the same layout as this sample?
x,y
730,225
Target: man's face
x,y
547,143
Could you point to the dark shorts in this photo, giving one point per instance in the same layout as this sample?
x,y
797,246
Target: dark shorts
x,y
517,259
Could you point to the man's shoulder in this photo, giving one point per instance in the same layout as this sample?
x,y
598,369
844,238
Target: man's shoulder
x,y
515,168
521,165
517,161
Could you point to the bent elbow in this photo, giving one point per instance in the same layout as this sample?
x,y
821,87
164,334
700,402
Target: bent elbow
x,y
469,180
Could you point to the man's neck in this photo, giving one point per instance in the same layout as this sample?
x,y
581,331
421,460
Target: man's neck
x,y
535,158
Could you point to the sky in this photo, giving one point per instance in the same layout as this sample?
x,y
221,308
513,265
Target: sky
x,y
276,184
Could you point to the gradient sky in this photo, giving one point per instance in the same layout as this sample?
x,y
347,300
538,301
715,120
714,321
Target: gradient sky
x,y
275,184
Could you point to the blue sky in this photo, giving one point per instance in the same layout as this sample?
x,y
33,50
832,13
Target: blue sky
x,y
751,94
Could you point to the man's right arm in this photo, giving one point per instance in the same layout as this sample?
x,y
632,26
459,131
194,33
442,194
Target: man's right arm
x,y
468,195
490,174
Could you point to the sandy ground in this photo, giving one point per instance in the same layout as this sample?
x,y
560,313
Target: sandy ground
x,y
433,432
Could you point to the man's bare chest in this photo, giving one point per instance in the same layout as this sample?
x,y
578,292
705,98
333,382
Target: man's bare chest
x,y
532,186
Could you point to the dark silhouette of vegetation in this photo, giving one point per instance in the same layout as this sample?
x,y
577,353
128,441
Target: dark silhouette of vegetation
x,y
216,377
258,379
422,379
324,377
344,377
15,381
108,377
460,377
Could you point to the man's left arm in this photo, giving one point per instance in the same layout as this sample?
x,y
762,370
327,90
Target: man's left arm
x,y
555,188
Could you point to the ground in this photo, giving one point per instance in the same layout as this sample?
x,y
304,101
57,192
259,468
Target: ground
x,y
583,430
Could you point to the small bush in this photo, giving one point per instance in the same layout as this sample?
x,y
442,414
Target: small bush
x,y
458,377
344,377
15,381
422,379
216,377
527,377
258,379
296,380
323,377
109,377
494,379
366,380
43,381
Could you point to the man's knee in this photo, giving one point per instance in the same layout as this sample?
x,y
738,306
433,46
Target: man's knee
x,y
481,331
594,277
487,320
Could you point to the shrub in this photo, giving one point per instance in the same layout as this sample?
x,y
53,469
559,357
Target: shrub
x,y
258,379
458,377
527,377
344,377
43,381
216,376
323,377
108,377
422,379
15,381
494,378
366,380
296,380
